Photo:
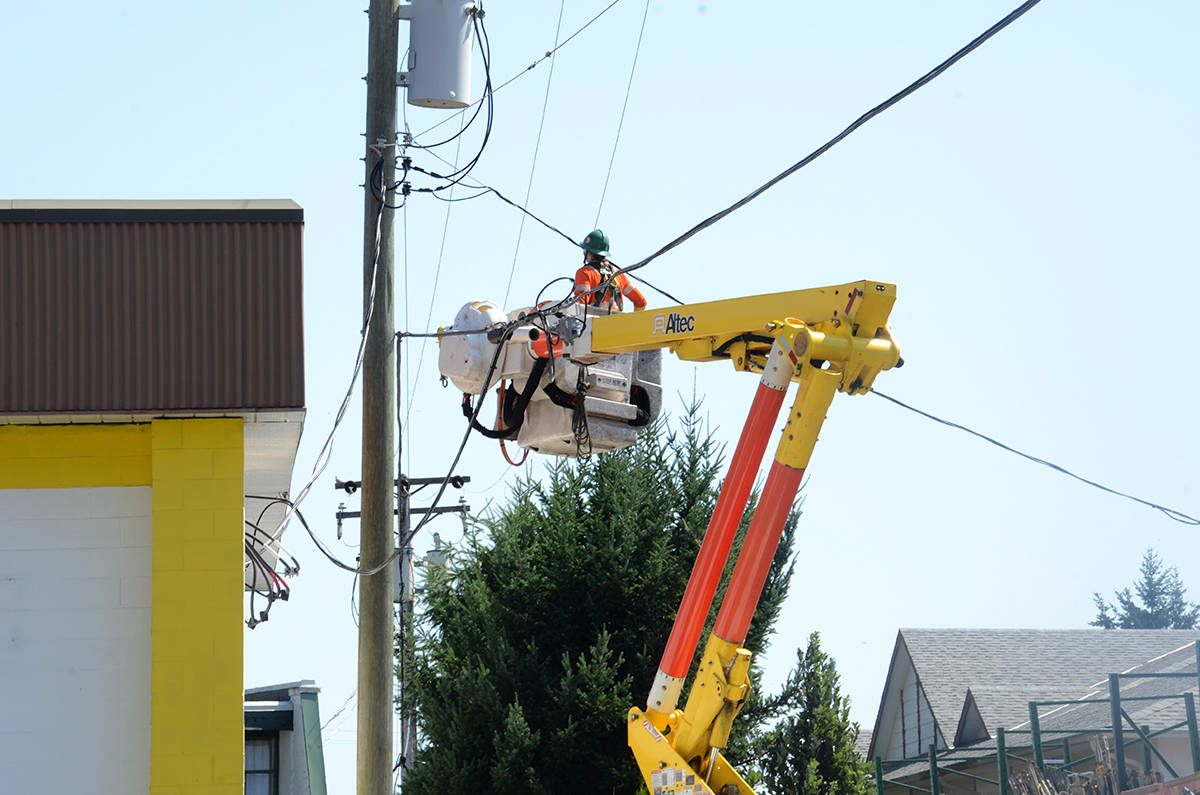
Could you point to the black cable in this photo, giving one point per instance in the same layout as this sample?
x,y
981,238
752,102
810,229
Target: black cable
x,y
546,224
863,119
485,189
277,541
658,290
458,135
274,589
538,300
326,452
920,82
379,191
449,200
265,539
1170,513
549,54
433,334
487,383
485,49
259,565
860,121
321,546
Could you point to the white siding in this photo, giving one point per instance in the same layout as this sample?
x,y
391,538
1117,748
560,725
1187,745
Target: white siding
x,y
907,728
75,640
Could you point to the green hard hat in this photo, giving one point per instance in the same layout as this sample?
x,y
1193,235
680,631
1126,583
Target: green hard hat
x,y
596,242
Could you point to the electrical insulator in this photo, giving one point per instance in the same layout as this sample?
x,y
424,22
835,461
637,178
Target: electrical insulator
x,y
440,43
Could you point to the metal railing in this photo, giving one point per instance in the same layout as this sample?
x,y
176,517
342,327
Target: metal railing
x,y
937,761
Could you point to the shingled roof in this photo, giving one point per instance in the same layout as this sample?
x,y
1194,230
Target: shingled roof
x,y
975,680
1181,663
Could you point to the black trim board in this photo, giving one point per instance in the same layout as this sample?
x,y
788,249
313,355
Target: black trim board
x,y
279,720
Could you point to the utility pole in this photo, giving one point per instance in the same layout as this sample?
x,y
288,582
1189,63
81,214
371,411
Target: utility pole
x,y
402,568
408,711
376,683
406,599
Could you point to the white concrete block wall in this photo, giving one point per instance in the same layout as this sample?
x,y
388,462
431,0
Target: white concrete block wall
x,y
75,640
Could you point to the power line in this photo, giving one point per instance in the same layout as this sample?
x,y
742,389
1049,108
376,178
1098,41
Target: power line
x,y
326,452
860,121
437,274
549,54
485,53
658,290
624,106
407,379
536,146
327,736
485,189
1170,513
471,421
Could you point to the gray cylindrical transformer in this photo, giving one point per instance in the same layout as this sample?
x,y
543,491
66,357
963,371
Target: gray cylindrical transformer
x,y
439,55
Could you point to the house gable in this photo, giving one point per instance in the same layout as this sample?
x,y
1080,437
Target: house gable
x,y
905,726
971,728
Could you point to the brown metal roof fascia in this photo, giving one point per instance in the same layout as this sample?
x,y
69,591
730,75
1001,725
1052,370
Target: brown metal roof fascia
x,y
150,312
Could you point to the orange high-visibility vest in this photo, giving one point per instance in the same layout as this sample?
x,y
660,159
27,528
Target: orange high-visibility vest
x,y
590,277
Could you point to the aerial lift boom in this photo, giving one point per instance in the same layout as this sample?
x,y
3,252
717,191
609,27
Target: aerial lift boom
x,y
828,340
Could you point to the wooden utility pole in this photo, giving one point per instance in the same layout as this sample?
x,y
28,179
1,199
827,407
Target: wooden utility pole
x,y
376,683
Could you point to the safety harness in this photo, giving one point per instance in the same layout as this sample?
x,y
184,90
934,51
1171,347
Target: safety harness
x,y
611,294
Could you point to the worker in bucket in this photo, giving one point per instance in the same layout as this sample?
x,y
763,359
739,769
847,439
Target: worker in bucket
x,y
597,270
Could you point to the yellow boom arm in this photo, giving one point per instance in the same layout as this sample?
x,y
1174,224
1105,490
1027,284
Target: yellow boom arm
x,y
827,339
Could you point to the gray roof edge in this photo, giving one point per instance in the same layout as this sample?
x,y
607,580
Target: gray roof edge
x,y
148,204
288,688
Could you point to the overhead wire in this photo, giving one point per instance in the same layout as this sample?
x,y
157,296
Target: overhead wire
x,y
484,190
265,582
323,457
859,122
714,218
487,383
407,380
485,49
266,539
327,734
920,82
437,275
536,147
707,222
548,55
1170,513
624,106
345,704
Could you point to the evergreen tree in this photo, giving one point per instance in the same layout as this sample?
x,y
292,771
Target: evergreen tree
x,y
1159,601
810,750
550,620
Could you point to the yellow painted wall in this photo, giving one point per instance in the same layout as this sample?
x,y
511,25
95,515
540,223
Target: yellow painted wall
x,y
195,469
74,456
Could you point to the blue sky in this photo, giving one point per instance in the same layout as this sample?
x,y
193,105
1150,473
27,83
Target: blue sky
x,y
1035,206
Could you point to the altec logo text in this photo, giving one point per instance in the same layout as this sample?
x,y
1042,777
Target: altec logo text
x,y
674,323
